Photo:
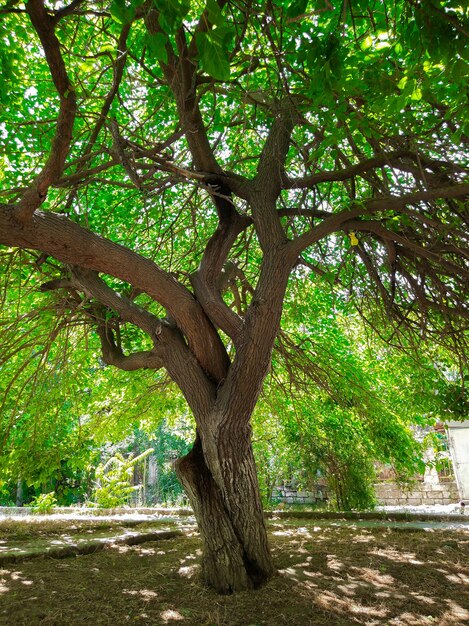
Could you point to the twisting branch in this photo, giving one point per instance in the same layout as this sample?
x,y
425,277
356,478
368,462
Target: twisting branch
x,y
270,171
119,66
94,287
393,159
113,354
267,184
37,191
169,348
127,310
70,243
181,75
389,203
205,280
119,147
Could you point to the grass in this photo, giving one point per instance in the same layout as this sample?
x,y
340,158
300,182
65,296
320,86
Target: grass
x,y
327,575
40,528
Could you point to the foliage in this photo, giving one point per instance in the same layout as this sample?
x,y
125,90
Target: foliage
x,y
43,503
114,480
217,190
351,401
170,441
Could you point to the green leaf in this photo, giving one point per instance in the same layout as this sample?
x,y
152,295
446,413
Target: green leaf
x,y
297,7
171,13
402,83
120,12
214,55
156,44
214,13
382,44
367,43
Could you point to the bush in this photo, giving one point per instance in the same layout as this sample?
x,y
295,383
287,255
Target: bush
x,y
43,503
114,486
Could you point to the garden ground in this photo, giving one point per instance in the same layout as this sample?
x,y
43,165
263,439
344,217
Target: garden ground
x,y
328,574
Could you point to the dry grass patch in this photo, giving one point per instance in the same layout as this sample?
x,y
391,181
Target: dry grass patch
x,y
37,527
328,575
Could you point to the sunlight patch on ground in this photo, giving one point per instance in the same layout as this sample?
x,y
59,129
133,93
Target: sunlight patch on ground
x,y
397,556
349,589
456,612
460,579
422,598
171,616
146,594
64,540
365,538
334,564
411,619
290,572
18,576
188,571
189,557
284,533
14,577
377,578
331,601
147,551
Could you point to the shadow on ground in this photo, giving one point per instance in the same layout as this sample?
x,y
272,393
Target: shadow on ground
x,y
328,575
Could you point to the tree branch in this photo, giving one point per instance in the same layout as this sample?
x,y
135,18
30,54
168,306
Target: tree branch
x,y
270,170
389,235
67,10
113,355
181,75
393,159
37,191
70,243
127,310
389,203
119,66
205,280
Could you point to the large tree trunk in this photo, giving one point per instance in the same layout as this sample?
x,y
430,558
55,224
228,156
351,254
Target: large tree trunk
x,y
230,517
219,474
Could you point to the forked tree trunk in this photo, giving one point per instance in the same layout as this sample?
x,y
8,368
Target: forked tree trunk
x,y
219,474
230,518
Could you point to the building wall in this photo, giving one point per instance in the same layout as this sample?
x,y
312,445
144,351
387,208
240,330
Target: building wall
x,y
421,493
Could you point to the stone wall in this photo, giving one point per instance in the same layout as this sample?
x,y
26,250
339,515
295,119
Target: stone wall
x,y
290,494
387,493
421,493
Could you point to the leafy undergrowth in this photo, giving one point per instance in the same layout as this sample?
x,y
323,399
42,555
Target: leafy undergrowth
x,y
328,575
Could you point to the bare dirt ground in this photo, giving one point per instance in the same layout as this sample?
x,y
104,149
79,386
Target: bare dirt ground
x,y
328,575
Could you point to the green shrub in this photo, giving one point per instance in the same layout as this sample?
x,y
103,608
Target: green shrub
x,y
43,503
114,486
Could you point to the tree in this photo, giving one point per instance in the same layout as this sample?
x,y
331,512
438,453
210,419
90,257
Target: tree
x,y
343,401
173,164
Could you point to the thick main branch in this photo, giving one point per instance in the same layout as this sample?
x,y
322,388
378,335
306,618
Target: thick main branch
x,y
70,243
